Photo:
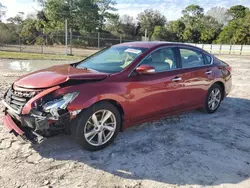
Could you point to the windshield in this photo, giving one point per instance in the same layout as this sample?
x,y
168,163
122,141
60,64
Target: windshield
x,y
112,60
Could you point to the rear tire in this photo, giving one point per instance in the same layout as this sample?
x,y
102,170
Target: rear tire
x,y
97,126
213,99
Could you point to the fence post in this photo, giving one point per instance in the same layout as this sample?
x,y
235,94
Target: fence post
x,y
241,48
19,38
211,47
98,39
220,48
120,38
42,48
230,49
202,46
66,36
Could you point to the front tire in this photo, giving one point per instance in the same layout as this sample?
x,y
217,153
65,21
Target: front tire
x,y
213,99
98,126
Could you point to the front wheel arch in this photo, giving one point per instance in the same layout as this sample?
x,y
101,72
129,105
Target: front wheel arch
x,y
119,108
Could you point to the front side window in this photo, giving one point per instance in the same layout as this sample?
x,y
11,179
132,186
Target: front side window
x,y
162,60
112,60
191,58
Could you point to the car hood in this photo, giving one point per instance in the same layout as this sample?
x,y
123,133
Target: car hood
x,y
57,75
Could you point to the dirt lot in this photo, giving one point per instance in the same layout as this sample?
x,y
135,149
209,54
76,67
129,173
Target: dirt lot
x,y
190,150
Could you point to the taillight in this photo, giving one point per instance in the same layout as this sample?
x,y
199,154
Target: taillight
x,y
229,68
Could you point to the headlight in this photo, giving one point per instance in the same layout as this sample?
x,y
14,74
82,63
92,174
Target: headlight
x,y
60,103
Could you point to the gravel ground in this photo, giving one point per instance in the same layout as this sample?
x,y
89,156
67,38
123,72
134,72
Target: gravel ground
x,y
190,150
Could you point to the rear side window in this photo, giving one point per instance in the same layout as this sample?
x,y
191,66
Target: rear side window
x,y
208,59
191,58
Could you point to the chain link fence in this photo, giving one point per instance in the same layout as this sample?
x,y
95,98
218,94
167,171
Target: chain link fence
x,y
54,43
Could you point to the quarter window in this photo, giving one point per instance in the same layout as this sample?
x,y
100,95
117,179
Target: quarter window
x,y
208,60
190,58
161,60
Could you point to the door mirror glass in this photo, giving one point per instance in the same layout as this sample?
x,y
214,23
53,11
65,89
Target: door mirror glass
x,y
145,69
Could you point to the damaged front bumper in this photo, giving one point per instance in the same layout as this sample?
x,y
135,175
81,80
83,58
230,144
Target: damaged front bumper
x,y
34,127
25,133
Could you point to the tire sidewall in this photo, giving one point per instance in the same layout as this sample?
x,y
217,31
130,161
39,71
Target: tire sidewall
x,y
83,118
214,86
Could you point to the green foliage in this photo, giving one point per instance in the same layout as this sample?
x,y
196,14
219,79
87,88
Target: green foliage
x,y
238,30
193,10
85,17
238,11
149,19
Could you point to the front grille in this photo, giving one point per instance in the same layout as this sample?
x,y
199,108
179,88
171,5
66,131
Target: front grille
x,y
17,99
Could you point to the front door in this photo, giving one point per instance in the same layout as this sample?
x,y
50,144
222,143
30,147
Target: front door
x,y
157,93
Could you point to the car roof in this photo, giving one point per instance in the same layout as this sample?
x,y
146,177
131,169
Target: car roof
x,y
151,44
155,44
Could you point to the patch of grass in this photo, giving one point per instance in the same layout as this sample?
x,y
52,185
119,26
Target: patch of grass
x,y
33,56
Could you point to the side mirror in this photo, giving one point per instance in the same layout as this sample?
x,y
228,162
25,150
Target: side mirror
x,y
145,69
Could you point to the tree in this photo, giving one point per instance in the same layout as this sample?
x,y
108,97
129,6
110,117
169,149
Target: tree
x,y
149,19
209,35
104,7
113,24
161,33
177,29
81,14
220,14
238,11
193,10
18,19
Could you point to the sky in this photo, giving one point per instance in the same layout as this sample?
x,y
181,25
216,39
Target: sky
x,y
170,8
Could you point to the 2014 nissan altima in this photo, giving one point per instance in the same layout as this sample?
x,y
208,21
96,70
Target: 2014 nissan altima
x,y
116,88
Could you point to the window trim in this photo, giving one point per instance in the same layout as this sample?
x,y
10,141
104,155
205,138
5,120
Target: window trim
x,y
178,58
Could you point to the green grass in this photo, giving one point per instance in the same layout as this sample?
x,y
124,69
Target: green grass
x,y
33,56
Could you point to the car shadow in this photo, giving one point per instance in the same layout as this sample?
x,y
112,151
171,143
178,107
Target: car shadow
x,y
192,148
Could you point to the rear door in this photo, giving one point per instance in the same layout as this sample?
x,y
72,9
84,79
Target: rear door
x,y
197,75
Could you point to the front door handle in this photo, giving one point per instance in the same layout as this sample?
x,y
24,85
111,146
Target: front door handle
x,y
208,72
177,79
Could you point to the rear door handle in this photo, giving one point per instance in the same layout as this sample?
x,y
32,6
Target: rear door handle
x,y
177,79
208,72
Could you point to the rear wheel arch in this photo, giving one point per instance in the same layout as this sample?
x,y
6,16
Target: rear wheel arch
x,y
221,84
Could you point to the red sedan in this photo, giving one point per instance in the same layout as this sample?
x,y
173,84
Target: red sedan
x,y
116,88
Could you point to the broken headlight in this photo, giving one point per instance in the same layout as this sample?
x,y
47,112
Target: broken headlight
x,y
60,103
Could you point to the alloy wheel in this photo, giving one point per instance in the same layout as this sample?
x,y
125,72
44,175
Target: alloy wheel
x,y
100,127
214,99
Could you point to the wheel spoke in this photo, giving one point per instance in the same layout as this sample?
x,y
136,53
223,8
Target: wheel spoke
x,y
91,133
217,100
100,138
104,136
93,136
217,92
210,102
109,128
94,118
213,105
106,116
